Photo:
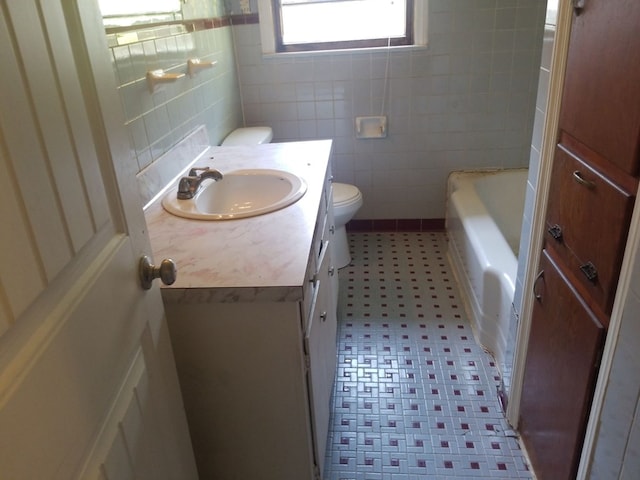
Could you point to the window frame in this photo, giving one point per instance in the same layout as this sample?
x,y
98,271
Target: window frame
x,y
281,47
270,24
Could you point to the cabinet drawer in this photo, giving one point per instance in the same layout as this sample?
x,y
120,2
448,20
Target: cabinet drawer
x,y
308,290
587,225
314,277
318,236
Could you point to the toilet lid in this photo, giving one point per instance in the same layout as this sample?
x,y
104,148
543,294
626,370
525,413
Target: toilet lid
x,y
248,136
344,193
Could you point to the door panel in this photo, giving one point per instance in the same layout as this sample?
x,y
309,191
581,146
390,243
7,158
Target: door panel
x,y
79,337
564,347
20,130
58,158
601,99
320,343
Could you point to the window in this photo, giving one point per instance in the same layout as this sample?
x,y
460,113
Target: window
x,y
310,25
118,13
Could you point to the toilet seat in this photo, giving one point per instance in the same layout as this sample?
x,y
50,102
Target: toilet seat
x,y
345,194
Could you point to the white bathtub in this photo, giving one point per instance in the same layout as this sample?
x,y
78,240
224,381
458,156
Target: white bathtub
x,y
483,221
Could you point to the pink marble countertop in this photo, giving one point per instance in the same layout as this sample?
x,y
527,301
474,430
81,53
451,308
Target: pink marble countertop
x,y
250,259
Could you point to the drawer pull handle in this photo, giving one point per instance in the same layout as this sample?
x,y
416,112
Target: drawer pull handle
x,y
590,271
332,271
582,181
332,229
540,275
556,232
323,316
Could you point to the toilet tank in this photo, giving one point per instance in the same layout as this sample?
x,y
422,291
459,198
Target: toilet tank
x,y
249,136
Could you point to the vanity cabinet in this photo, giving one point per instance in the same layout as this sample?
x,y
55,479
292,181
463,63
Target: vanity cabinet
x,y
257,368
320,346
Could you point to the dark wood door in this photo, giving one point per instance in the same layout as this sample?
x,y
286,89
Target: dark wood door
x,y
562,358
601,98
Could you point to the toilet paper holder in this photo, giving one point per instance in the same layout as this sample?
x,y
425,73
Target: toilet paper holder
x,y
371,126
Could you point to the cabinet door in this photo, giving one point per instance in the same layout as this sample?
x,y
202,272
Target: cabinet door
x,y
320,346
601,98
565,343
589,216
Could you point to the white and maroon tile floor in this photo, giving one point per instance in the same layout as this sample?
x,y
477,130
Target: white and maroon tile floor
x,y
415,396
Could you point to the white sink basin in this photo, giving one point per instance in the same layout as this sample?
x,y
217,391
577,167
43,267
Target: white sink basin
x,y
240,194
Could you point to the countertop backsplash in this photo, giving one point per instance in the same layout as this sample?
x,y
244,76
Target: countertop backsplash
x,y
153,179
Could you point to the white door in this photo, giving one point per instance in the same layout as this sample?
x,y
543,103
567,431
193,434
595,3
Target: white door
x,y
88,387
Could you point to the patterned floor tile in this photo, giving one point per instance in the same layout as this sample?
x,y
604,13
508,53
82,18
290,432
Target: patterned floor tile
x,y
415,396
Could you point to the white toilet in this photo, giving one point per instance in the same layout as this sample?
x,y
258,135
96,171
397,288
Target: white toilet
x,y
347,199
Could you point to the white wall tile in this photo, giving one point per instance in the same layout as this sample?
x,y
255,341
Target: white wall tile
x,y
451,104
631,465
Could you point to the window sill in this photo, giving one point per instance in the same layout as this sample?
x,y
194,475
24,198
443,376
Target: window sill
x,y
344,51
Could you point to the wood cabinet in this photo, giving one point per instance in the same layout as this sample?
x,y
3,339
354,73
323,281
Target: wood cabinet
x,y
592,192
564,344
588,218
257,376
601,98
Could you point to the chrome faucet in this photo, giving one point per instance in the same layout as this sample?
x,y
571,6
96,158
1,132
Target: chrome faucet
x,y
189,186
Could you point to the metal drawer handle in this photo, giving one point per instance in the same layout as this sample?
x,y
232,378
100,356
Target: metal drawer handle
x,y
556,232
582,181
590,271
535,284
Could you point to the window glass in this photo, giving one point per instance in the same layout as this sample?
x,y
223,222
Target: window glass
x,y
132,12
328,24
552,12
137,7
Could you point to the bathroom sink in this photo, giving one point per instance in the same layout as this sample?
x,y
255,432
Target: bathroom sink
x,y
239,194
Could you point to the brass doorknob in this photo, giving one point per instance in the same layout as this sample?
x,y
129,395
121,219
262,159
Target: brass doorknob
x,y
166,272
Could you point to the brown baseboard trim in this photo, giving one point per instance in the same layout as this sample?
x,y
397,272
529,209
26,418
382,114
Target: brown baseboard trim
x,y
396,225
245,19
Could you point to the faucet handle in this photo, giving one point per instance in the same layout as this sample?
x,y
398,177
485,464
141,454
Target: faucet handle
x,y
194,171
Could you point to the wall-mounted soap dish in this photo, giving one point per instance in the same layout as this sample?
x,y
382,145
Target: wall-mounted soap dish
x,y
194,65
371,127
157,77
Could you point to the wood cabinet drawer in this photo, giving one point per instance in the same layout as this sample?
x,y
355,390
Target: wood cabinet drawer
x,y
587,225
